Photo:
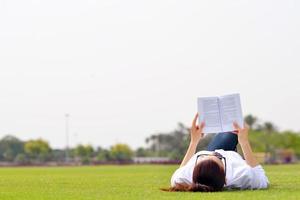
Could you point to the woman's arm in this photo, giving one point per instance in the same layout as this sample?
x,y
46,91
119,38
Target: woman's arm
x,y
196,136
245,144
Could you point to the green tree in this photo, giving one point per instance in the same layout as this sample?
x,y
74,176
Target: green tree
x,y
59,155
84,152
269,129
143,152
171,144
250,120
38,150
10,147
121,153
21,159
257,139
103,155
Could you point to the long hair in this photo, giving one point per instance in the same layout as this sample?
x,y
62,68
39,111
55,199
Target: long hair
x,y
208,176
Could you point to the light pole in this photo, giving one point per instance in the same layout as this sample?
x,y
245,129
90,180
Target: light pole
x,y
67,137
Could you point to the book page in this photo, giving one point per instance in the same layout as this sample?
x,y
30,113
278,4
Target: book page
x,y
231,111
208,110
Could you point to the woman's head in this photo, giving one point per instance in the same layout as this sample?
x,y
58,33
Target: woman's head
x,y
209,174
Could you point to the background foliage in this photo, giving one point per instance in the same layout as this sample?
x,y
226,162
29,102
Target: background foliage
x,y
264,137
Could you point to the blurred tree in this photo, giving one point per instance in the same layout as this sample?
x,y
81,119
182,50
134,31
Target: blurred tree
x,y
256,139
21,159
172,144
121,153
84,152
103,154
269,128
259,127
38,150
59,155
250,120
263,137
175,143
10,147
143,152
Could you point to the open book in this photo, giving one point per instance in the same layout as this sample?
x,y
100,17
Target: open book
x,y
219,113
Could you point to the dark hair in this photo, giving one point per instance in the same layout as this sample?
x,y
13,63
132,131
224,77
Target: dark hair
x,y
208,176
209,173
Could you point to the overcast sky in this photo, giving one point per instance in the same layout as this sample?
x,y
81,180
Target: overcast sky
x,y
126,69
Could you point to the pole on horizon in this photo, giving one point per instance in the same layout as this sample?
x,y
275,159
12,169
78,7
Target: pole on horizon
x,y
67,137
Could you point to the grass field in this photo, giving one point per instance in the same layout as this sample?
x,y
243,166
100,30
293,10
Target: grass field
x,y
128,182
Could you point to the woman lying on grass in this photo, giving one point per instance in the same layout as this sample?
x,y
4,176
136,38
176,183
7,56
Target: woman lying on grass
x,y
220,166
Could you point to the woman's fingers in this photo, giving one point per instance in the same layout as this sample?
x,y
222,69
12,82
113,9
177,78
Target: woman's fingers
x,y
236,126
202,125
195,121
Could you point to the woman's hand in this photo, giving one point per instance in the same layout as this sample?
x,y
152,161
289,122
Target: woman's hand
x,y
242,132
196,136
245,144
196,131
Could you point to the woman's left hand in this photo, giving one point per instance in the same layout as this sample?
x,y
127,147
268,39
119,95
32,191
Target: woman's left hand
x,y
196,131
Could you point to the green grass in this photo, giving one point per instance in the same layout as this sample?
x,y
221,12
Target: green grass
x,y
128,182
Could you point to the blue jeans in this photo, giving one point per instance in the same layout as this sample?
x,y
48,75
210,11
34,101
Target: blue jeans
x,y
226,141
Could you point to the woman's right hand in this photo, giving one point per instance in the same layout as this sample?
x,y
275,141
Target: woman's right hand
x,y
242,132
245,144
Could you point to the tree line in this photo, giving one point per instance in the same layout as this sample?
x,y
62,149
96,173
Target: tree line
x,y
14,150
264,137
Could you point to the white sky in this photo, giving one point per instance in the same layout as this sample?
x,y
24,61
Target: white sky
x,y
127,69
